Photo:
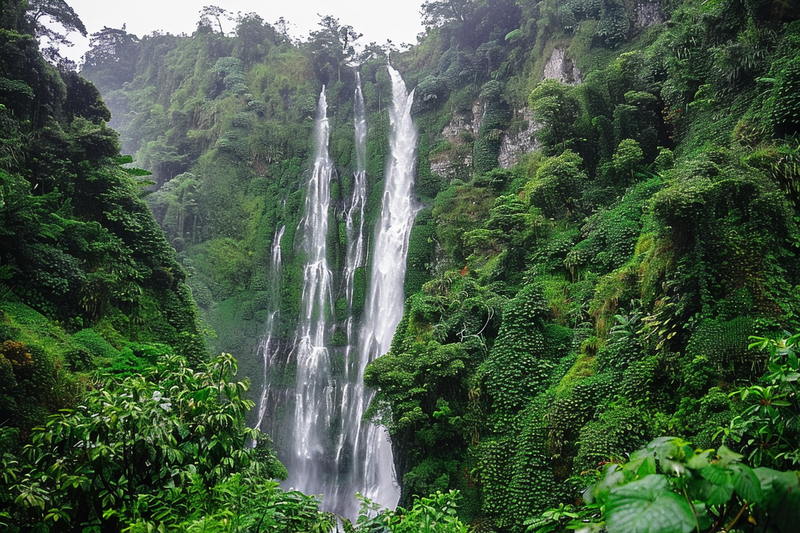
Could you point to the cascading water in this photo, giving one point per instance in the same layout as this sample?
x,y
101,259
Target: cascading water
x,y
354,217
314,390
372,455
333,452
348,457
354,226
268,349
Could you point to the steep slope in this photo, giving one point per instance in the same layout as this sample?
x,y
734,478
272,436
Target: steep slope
x,y
112,415
600,290
84,267
609,212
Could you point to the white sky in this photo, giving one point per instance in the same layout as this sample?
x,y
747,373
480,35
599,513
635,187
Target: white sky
x,y
378,20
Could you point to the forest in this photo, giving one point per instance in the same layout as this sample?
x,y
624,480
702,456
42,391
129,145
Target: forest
x,y
601,321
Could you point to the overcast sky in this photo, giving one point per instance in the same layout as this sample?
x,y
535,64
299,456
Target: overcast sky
x,y
398,20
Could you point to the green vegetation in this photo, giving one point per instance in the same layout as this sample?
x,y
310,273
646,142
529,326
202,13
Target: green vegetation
x,y
631,275
84,267
602,291
104,423
150,448
435,514
703,490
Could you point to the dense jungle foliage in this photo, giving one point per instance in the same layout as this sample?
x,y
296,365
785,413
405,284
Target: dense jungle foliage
x,y
85,272
112,416
606,253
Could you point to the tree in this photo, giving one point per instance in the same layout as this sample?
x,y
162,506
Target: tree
x,y
437,13
282,26
472,22
376,51
213,12
111,59
84,100
556,108
696,490
558,184
254,38
627,158
59,12
332,47
144,448
175,207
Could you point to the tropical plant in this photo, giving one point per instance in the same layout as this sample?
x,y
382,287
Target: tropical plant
x,y
149,448
669,487
768,426
435,514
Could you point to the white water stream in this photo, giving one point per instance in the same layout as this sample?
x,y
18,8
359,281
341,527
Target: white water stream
x,y
384,306
314,388
333,451
268,349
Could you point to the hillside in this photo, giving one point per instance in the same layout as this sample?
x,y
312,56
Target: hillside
x,y
84,268
106,384
605,249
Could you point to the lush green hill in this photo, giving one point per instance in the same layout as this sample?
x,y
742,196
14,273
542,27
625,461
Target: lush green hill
x,y
84,267
111,411
609,195
601,291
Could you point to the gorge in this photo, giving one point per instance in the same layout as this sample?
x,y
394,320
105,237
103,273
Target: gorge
x,y
536,272
334,451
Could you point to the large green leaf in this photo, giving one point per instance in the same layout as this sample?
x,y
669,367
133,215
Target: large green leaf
x,y
728,456
746,483
711,493
775,484
717,475
781,498
648,506
642,463
612,477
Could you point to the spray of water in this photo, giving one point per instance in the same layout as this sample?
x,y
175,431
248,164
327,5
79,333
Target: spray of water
x,y
314,388
334,452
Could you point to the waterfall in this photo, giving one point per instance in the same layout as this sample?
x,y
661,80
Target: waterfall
x,y
354,226
348,457
333,452
268,349
354,216
384,305
314,387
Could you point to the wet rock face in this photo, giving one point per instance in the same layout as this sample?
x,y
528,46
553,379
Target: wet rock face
x,y
561,68
648,14
449,168
516,144
456,163
521,140
464,122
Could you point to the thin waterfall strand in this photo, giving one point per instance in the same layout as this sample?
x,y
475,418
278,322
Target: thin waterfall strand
x,y
355,258
354,217
268,349
314,386
384,305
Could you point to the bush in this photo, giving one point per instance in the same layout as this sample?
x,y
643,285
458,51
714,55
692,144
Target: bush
x,y
668,487
558,185
95,344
